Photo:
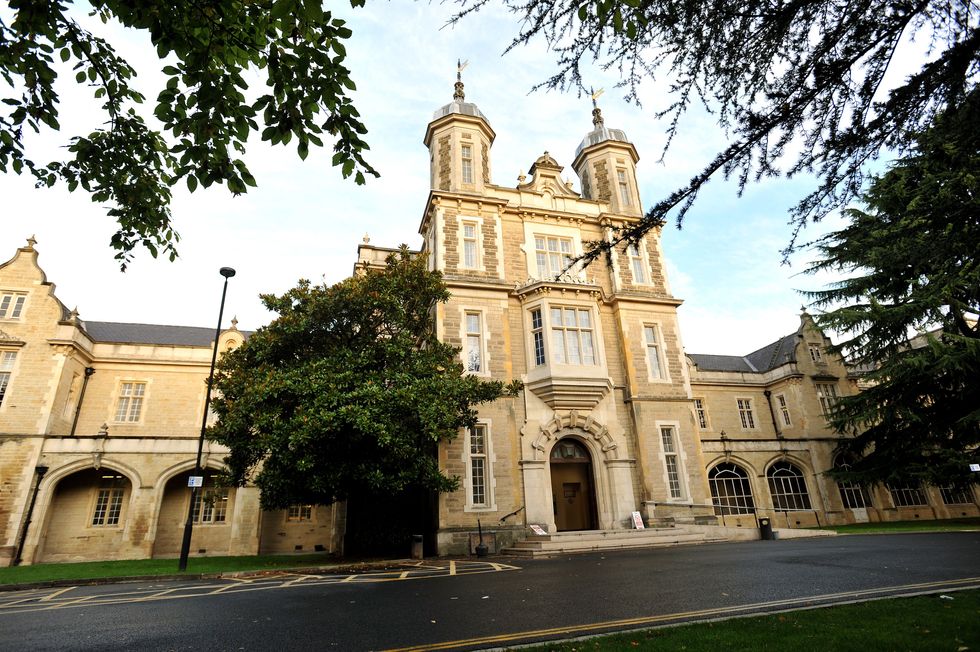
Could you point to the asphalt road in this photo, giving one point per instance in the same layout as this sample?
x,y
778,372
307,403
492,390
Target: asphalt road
x,y
468,605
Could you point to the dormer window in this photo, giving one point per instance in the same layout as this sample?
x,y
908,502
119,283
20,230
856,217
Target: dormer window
x,y
11,305
815,353
466,154
624,188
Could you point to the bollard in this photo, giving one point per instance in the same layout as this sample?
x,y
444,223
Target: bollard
x,y
416,546
765,529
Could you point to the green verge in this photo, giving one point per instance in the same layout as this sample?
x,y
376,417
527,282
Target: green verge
x,y
926,623
91,570
946,525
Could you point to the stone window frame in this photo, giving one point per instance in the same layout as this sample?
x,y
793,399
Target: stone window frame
x,y
642,258
13,304
852,495
788,488
484,334
908,495
624,187
490,482
463,146
746,413
545,305
661,346
539,229
782,406
679,458
8,367
738,496
117,402
300,513
816,353
701,413
209,490
113,487
478,221
957,495
827,396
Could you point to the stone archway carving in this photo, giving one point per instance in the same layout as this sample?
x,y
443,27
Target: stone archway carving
x,y
572,419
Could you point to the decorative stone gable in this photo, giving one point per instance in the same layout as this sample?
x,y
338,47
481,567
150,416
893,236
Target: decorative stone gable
x,y
546,177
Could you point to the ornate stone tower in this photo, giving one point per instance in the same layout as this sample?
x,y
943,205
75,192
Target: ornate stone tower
x,y
459,140
605,162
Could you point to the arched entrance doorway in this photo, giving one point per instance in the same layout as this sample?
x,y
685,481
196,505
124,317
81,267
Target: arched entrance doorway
x,y
572,491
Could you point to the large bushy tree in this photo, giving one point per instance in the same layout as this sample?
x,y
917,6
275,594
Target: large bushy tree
x,y
908,309
800,85
348,390
206,110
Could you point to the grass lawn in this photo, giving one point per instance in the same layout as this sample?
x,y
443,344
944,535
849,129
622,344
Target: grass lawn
x,y
948,525
98,569
926,623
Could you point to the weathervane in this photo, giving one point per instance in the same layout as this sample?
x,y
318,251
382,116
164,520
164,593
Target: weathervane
x,y
458,95
596,111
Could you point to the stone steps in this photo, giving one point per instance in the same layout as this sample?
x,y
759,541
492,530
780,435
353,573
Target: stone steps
x,y
599,540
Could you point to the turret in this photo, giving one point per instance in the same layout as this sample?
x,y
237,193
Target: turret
x,y
605,162
459,140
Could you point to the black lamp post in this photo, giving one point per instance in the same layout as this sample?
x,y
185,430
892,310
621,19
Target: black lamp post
x,y
185,545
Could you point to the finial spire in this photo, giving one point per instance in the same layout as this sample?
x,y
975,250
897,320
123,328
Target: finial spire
x,y
596,111
234,323
458,95
31,241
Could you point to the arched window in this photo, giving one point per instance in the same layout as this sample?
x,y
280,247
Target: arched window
x,y
730,490
852,495
788,487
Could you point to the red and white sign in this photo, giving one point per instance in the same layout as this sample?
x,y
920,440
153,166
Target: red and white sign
x,y
638,521
537,529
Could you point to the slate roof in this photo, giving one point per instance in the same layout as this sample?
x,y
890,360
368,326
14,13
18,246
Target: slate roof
x,y
123,333
765,359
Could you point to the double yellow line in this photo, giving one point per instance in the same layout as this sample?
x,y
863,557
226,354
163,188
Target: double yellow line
x,y
625,623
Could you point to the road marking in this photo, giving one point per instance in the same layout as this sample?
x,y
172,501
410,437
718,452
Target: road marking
x,y
403,575
452,567
700,614
56,594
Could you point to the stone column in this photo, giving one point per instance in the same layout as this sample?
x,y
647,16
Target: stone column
x,y
537,494
622,502
245,522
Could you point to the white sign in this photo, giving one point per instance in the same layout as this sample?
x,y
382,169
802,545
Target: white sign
x,y
195,481
537,529
638,521
975,468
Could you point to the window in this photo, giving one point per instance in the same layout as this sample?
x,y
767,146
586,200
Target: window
x,y
827,394
730,490
852,495
299,513
478,466
653,351
816,354
11,305
470,248
537,337
571,336
466,152
553,255
908,496
636,264
7,359
788,488
210,503
701,412
745,413
624,188
670,457
130,402
783,409
474,342
956,495
108,502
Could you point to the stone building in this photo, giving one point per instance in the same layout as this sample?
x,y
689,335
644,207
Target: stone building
x,y
99,424
99,421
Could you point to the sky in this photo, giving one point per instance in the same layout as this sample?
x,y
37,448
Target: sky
x,y
305,221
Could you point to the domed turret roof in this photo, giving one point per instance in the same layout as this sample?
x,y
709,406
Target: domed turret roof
x,y
599,135
464,108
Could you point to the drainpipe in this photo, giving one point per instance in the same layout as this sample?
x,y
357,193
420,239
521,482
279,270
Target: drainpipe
x,y
81,395
40,470
772,413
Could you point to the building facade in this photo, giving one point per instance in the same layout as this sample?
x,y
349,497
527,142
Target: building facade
x,y
99,421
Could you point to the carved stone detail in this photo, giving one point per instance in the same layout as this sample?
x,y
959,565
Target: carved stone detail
x,y
573,420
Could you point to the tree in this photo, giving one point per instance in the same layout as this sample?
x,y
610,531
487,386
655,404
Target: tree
x,y
912,262
206,109
798,84
348,390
